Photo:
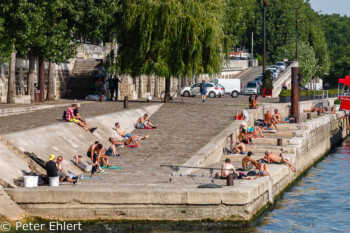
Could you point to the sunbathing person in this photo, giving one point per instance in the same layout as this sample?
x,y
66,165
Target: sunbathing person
x,y
63,176
253,103
269,121
144,122
126,135
240,148
72,118
272,157
277,117
239,116
225,170
243,136
256,131
80,164
312,109
83,121
104,158
264,170
248,162
125,143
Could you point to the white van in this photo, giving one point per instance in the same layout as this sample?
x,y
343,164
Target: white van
x,y
232,86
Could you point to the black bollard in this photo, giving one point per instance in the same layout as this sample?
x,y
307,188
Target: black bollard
x,y
309,116
230,178
279,141
126,101
318,113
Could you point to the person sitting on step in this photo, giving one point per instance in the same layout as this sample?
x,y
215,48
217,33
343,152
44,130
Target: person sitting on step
x,y
239,148
144,123
225,170
248,162
63,176
70,117
277,117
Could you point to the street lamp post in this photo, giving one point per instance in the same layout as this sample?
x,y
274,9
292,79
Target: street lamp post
x,y
264,41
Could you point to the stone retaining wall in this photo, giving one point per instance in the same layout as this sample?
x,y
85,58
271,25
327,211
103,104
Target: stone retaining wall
x,y
311,141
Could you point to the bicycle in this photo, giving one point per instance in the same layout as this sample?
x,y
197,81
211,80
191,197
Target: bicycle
x,y
176,95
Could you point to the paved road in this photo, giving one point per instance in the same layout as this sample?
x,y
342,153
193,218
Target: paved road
x,y
253,73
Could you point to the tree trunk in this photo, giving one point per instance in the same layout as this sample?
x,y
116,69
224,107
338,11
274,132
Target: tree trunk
x,y
51,82
31,77
11,92
167,90
42,80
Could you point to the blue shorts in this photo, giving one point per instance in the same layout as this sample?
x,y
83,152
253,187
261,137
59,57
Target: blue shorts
x,y
109,152
204,92
126,136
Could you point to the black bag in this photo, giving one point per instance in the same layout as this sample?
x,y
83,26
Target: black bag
x,y
259,123
251,173
64,115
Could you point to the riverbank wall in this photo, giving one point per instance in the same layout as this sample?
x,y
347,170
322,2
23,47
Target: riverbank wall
x,y
240,203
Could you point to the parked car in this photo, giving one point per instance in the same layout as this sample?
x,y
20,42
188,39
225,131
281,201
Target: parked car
x,y
277,68
194,90
252,87
274,73
221,89
232,86
260,80
281,64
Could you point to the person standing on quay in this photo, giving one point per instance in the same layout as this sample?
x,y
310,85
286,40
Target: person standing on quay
x,y
203,90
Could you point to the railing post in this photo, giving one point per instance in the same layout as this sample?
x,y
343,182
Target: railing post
x,y
126,101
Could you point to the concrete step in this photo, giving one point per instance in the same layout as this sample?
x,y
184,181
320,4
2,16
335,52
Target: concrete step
x,y
279,134
269,141
262,148
238,157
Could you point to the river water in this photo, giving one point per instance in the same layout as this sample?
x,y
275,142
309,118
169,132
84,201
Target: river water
x,y
318,202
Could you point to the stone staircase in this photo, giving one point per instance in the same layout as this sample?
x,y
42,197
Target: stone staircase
x,y
259,146
82,80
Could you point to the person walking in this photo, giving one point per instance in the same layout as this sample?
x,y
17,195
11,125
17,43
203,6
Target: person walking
x,y
203,90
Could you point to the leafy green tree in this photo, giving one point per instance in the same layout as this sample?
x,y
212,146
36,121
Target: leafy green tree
x,y
20,23
170,38
92,19
267,82
308,63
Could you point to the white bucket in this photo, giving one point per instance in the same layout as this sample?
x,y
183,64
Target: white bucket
x,y
28,181
54,181
35,181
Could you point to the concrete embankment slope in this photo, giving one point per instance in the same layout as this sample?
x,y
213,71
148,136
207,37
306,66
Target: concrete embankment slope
x,y
183,201
67,139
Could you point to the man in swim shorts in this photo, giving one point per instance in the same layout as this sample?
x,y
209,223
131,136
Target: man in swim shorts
x,y
126,135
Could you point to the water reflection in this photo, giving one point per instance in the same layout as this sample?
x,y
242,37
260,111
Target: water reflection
x,y
319,202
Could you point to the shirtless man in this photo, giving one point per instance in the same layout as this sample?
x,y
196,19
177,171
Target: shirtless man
x,y
272,157
143,122
312,109
240,148
126,135
94,153
247,159
269,121
277,117
125,143
253,103
225,170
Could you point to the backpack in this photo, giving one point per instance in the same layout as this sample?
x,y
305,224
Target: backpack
x,y
64,115
202,86
259,123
